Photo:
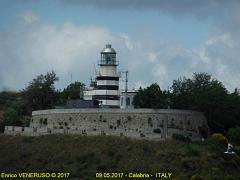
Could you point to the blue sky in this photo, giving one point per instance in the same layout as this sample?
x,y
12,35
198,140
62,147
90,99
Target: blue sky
x,y
157,41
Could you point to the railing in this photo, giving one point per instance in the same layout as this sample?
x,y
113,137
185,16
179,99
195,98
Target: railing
x,y
108,63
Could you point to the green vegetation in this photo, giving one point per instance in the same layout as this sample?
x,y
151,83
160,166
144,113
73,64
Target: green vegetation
x,y
201,93
234,135
151,97
83,156
12,110
72,91
16,107
218,142
40,93
180,137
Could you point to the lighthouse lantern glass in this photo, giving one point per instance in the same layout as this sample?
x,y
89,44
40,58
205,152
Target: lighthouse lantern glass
x,y
108,59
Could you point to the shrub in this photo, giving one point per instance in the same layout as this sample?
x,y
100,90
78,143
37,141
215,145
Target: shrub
x,y
234,135
11,118
181,137
219,138
196,177
187,164
237,149
217,142
192,151
110,153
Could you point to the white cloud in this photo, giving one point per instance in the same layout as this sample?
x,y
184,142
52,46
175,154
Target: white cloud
x,y
29,17
127,41
36,48
160,73
225,38
152,56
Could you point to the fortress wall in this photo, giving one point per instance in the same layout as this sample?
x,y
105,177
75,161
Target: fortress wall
x,y
135,123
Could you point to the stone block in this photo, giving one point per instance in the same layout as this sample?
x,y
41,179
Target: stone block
x,y
42,131
57,131
8,128
28,129
18,128
73,131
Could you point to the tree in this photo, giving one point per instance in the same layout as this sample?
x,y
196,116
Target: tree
x,y
151,97
41,93
12,109
206,94
11,118
72,91
234,135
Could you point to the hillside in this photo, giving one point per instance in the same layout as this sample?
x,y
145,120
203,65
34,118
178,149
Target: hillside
x,y
84,156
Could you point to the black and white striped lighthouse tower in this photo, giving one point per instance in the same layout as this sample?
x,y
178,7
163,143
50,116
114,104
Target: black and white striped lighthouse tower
x,y
107,91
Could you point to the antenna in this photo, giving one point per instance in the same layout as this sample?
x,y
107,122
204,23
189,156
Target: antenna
x,y
94,68
126,88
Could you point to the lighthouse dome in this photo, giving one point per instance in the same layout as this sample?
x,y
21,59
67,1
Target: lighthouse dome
x,y
108,49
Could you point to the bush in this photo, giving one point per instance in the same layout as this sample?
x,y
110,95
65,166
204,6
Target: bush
x,y
218,142
219,138
192,151
196,177
234,135
187,164
181,137
237,149
11,117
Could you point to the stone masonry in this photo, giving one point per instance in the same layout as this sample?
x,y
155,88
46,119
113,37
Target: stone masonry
x,y
153,124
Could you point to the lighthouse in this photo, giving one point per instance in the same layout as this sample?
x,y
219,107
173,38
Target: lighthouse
x,y
107,89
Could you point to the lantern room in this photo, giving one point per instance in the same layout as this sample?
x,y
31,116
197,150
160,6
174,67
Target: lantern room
x,y
108,56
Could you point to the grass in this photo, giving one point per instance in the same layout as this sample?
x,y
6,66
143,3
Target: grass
x,y
83,156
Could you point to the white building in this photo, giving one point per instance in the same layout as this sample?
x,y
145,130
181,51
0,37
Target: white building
x,y
106,90
126,100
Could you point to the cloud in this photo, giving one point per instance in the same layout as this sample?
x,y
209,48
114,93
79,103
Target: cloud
x,y
30,49
221,14
218,56
28,17
225,38
201,8
127,41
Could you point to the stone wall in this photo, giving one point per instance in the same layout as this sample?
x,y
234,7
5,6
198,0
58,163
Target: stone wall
x,y
136,123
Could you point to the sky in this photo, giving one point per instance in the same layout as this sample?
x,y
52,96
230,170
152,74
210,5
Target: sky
x,y
156,41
